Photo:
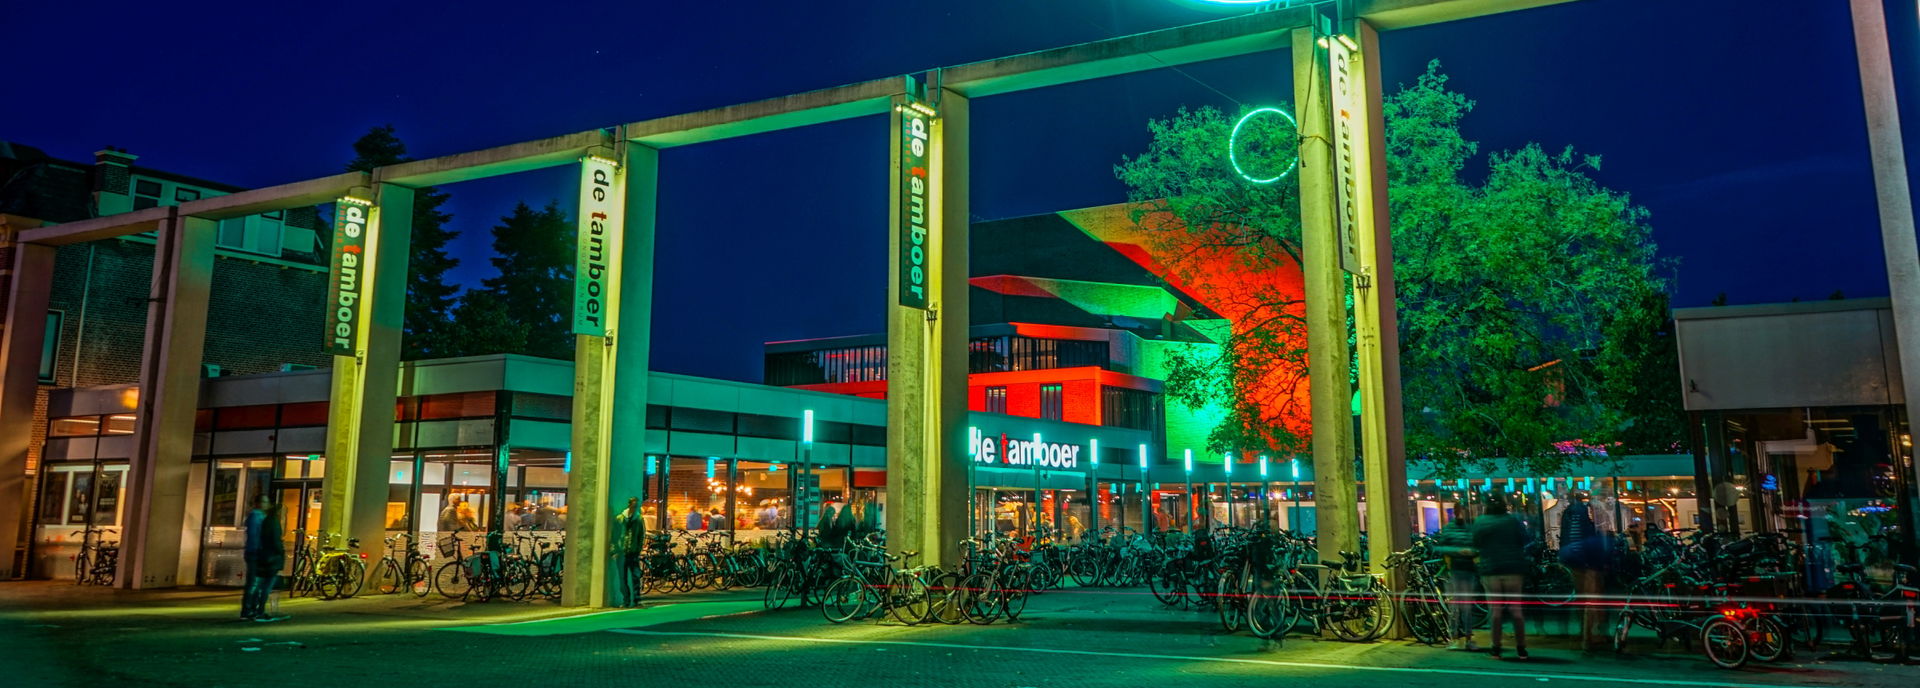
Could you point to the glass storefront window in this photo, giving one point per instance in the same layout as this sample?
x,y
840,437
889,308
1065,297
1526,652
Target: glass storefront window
x,y
119,424
536,490
763,500
697,493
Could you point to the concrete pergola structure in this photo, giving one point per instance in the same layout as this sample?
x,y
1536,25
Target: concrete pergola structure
x,y
926,406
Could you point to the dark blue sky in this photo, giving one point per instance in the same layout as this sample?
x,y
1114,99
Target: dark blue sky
x,y
1738,123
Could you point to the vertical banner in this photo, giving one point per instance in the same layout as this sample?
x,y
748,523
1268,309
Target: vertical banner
x,y
1348,125
347,277
598,229
916,208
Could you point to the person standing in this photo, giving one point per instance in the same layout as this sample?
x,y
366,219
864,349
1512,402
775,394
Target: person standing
x,y
1583,548
265,553
1501,541
1455,544
629,540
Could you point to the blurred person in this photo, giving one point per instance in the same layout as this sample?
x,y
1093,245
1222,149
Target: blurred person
x,y
1501,541
1455,544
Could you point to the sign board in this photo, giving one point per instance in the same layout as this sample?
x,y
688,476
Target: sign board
x,y
916,219
594,255
1003,450
1349,125
346,280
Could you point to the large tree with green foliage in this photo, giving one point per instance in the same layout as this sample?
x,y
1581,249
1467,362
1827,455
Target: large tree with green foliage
x,y
429,332
1530,296
533,252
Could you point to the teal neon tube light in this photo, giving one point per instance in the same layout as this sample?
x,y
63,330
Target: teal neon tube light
x,y
1233,146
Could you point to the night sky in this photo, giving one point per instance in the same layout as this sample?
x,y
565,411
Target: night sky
x,y
1738,123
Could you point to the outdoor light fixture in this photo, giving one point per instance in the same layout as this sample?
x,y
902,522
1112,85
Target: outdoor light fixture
x,y
1094,446
350,200
1263,465
1509,484
1143,461
1233,146
806,426
1228,464
653,465
711,460
1189,460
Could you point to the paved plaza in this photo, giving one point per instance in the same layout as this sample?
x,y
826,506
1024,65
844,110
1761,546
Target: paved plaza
x,y
56,634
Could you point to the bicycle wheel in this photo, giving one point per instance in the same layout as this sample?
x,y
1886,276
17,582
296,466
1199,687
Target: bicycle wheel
x,y
1362,614
82,568
354,572
1725,643
910,599
780,590
330,579
947,598
1228,594
516,579
419,577
844,599
1552,584
749,576
1622,629
1418,607
387,577
1266,606
1166,585
981,602
1768,639
1085,570
452,580
1013,597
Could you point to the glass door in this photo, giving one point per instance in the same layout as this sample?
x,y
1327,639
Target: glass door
x,y
233,485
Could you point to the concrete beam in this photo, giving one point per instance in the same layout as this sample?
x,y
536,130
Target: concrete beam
x,y
773,114
493,162
1222,38
272,198
94,229
1386,15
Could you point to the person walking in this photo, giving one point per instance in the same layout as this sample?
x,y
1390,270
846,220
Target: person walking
x,y
1455,544
265,553
1502,541
1583,548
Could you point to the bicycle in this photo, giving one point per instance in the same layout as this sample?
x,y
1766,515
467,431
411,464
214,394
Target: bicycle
x,y
409,571
99,559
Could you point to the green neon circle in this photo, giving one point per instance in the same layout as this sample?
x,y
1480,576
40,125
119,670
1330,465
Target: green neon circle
x,y
1233,146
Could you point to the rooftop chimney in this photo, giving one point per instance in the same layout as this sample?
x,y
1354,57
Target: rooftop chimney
x,y
113,180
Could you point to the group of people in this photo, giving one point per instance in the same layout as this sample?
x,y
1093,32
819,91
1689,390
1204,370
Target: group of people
x,y
1490,553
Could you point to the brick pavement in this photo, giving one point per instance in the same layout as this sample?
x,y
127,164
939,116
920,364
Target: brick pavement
x,y
57,634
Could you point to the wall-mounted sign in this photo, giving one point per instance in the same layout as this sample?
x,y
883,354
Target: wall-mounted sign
x,y
1003,450
1349,124
593,257
347,277
916,200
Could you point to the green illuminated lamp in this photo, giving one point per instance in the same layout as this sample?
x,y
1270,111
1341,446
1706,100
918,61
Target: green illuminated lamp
x,y
1094,446
1233,146
1143,459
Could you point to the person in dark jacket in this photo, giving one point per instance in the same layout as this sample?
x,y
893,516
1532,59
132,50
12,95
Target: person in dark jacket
x,y
1583,548
264,554
1502,542
1455,544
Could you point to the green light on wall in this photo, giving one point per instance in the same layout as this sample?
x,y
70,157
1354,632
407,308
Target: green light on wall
x,y
1233,146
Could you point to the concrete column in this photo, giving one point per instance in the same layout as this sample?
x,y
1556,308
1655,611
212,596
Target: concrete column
x,y
1336,495
20,343
170,377
927,352
1888,153
610,388
1389,514
360,415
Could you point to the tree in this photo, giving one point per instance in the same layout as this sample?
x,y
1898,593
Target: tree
x,y
428,331
482,325
1518,292
533,251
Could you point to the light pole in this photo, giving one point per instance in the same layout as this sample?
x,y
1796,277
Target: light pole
x,y
1146,495
803,507
1033,459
